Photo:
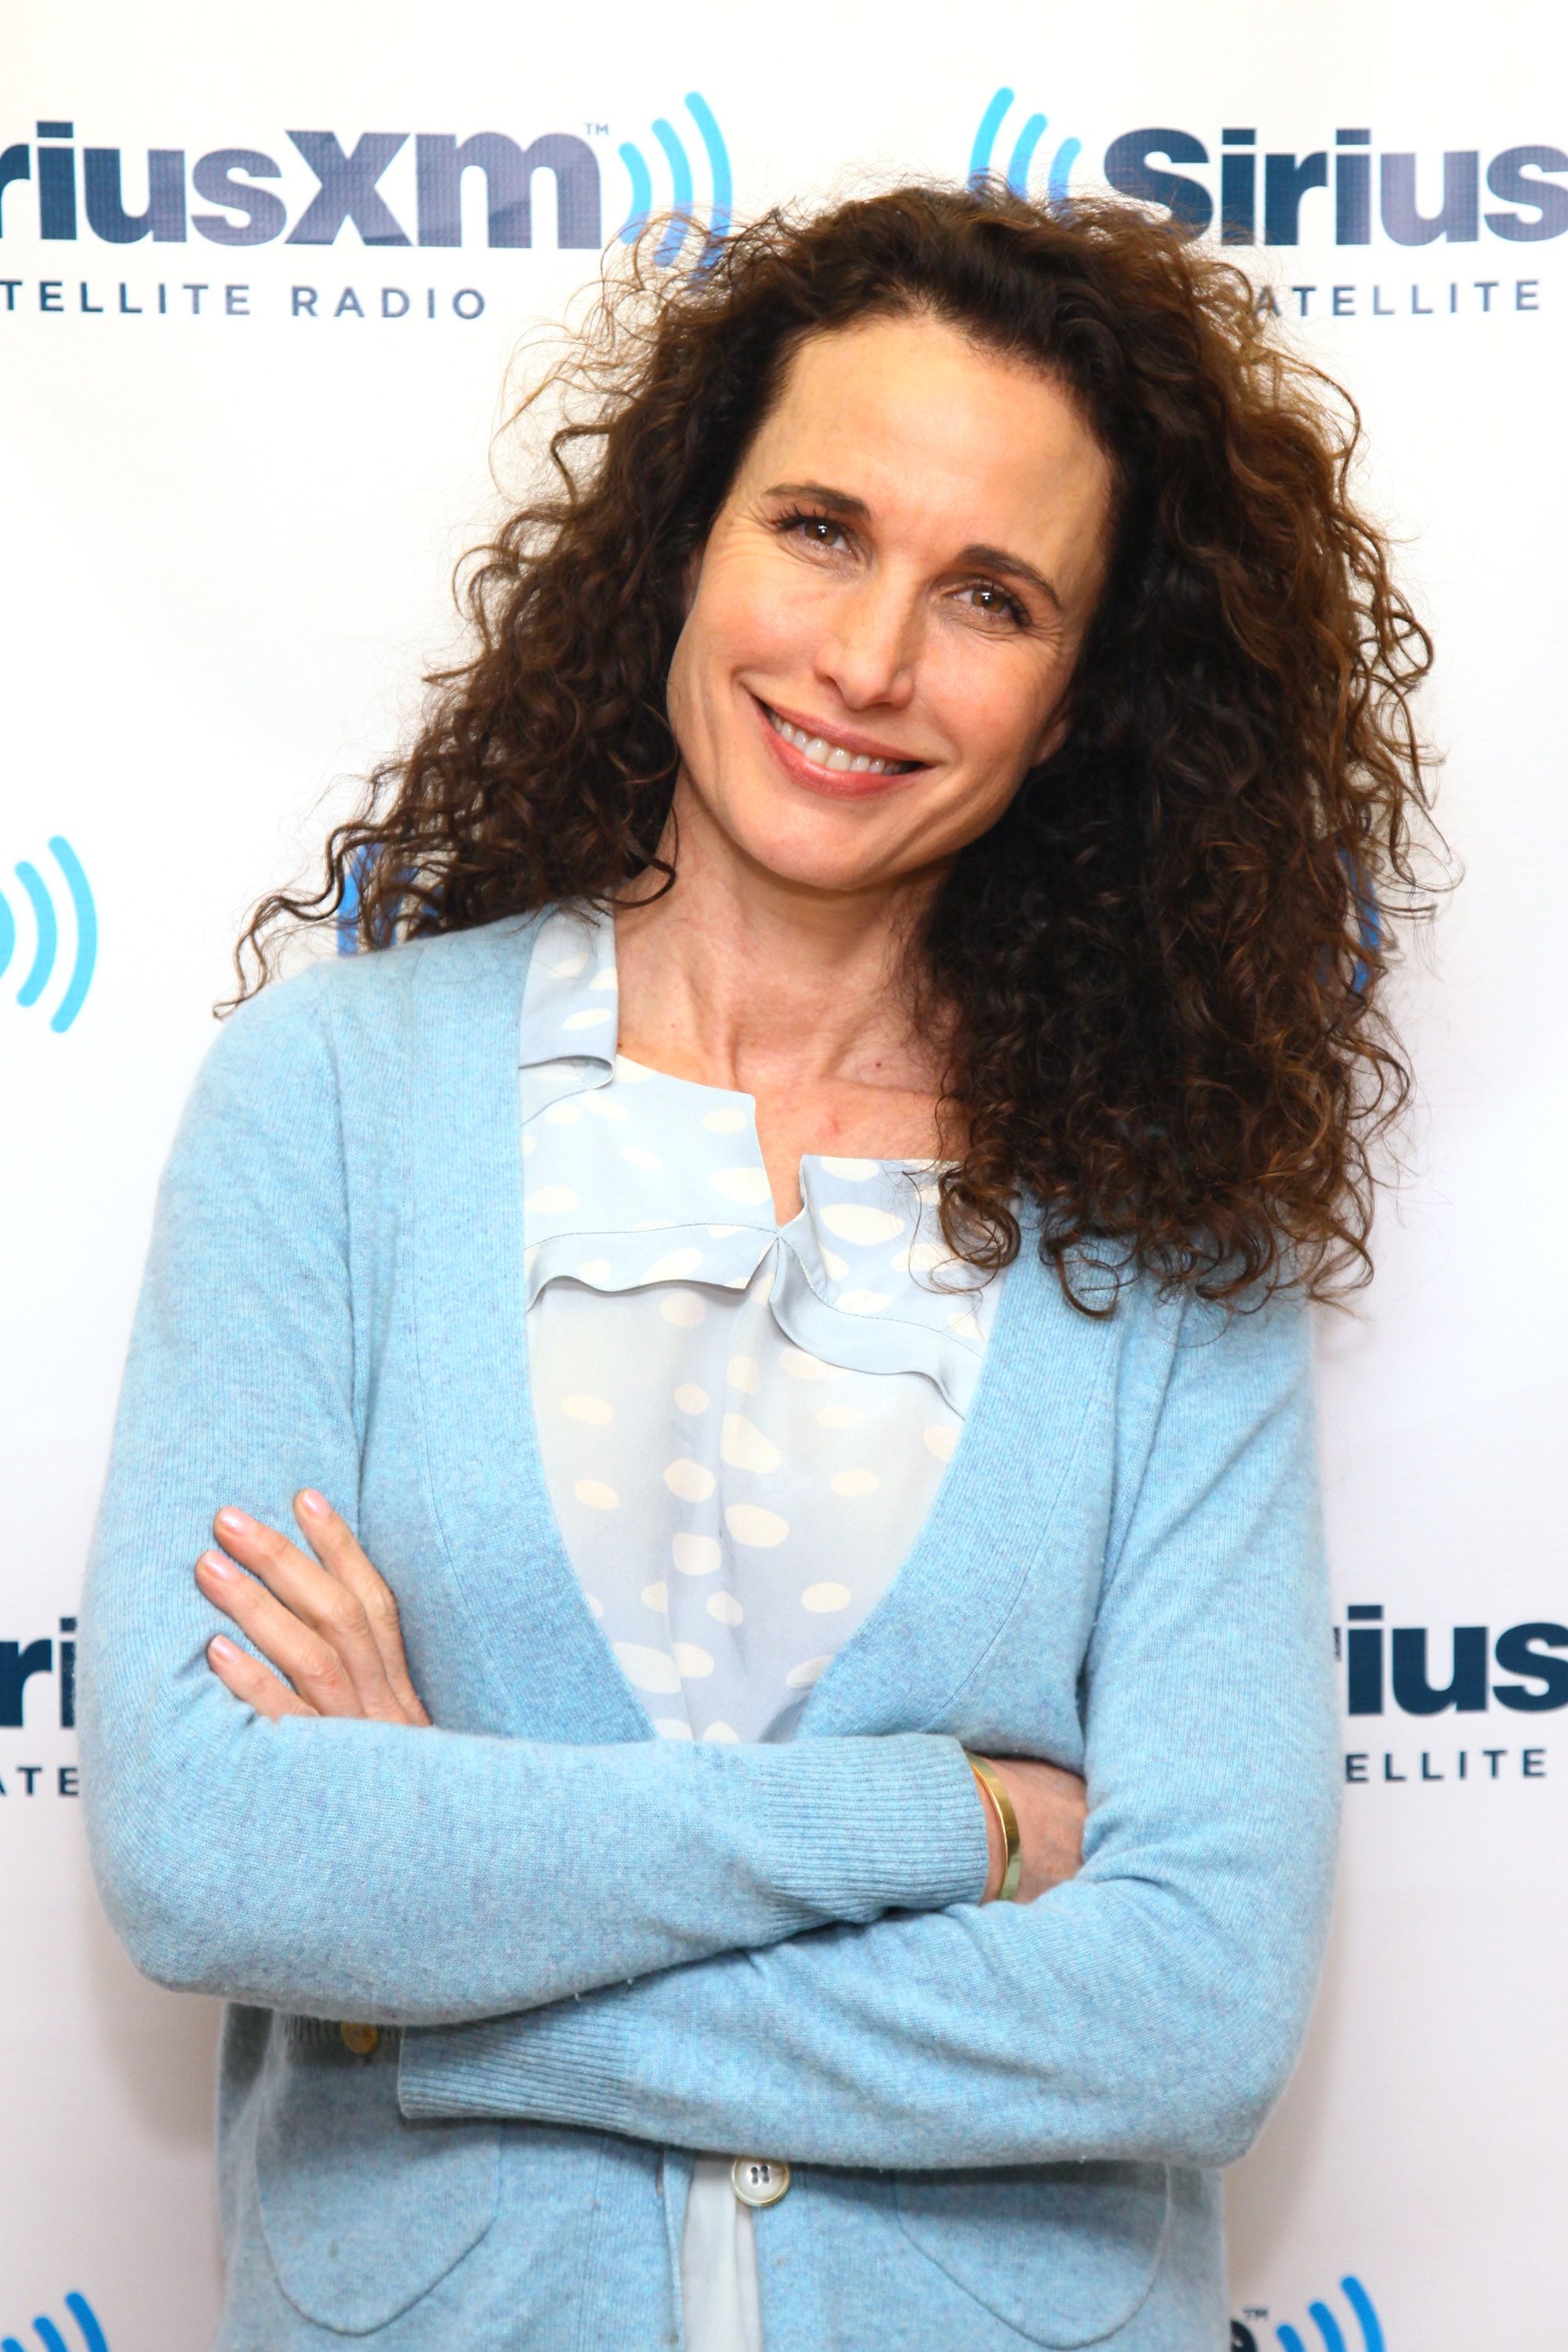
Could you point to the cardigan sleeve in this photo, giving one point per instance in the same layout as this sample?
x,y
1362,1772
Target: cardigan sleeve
x,y
345,1868
1150,2009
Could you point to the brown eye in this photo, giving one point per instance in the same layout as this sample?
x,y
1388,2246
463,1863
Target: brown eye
x,y
815,530
1003,606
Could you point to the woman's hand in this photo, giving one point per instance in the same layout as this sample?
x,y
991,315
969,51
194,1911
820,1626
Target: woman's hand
x,y
329,1625
1051,1805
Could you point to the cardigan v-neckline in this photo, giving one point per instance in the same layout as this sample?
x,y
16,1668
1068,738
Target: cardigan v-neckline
x,y
915,1650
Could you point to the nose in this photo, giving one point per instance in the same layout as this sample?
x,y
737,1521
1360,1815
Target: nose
x,y
870,648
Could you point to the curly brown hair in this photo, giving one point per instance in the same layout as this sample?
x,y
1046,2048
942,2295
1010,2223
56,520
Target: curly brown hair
x,y
1161,965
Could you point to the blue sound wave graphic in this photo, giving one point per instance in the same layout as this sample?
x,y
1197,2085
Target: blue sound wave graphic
x,y
1021,161
681,183
1328,2328
348,906
1371,935
346,920
49,2334
47,933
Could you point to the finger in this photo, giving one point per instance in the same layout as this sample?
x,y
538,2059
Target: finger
x,y
315,1597
306,1660
336,1545
248,1679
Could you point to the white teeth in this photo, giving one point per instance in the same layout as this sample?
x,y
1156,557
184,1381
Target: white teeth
x,y
832,755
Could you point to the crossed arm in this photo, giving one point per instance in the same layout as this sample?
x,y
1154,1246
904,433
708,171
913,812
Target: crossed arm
x,y
813,1970
1148,2009
327,1641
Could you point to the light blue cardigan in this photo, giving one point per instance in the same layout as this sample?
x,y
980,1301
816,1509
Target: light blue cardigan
x,y
1004,2121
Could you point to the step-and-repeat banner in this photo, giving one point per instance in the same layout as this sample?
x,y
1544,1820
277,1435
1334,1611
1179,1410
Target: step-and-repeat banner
x,y
269,280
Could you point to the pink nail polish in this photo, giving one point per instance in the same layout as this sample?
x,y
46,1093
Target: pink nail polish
x,y
214,1564
237,1522
316,1504
219,1647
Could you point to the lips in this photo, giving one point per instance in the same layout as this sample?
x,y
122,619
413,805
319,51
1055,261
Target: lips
x,y
824,752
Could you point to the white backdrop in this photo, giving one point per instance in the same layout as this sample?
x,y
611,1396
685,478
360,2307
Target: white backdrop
x,y
228,525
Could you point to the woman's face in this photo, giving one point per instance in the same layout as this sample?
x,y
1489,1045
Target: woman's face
x,y
902,575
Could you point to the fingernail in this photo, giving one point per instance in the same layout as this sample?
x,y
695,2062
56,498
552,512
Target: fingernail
x,y
236,1521
214,1564
313,1502
220,1647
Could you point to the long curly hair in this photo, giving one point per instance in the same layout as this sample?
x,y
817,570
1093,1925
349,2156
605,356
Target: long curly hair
x,y
1163,965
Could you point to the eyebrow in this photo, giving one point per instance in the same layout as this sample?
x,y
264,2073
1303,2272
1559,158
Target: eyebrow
x,y
979,552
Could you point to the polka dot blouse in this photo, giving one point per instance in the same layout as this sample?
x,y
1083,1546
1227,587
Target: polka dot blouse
x,y
742,1424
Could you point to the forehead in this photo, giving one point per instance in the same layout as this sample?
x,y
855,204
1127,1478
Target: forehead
x,y
919,419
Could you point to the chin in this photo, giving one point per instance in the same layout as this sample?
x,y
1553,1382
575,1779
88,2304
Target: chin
x,y
820,869
812,849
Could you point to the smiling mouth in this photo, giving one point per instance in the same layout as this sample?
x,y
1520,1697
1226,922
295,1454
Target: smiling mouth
x,y
834,756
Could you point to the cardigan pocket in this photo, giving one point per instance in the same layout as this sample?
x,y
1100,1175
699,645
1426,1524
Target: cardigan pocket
x,y
1064,2253
362,2213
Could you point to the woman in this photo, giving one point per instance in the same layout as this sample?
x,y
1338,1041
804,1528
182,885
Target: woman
x,y
906,829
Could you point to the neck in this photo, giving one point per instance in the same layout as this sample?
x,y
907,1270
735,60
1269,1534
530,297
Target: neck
x,y
745,980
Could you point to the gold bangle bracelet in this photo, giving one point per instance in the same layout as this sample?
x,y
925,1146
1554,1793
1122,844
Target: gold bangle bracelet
x,y
995,1789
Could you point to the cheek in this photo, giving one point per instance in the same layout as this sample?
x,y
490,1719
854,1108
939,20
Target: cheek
x,y
696,673
760,611
994,712
722,639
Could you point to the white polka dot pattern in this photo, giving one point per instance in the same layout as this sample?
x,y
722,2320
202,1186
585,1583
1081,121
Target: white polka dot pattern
x,y
852,1220
690,1480
756,1529
551,1199
849,1483
747,1185
730,1520
742,1445
646,1669
684,1311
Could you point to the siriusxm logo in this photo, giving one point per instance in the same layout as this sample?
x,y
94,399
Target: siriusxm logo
x,y
46,930
49,2337
1413,200
1396,1664
20,1661
1021,160
226,197
1335,2338
1266,197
